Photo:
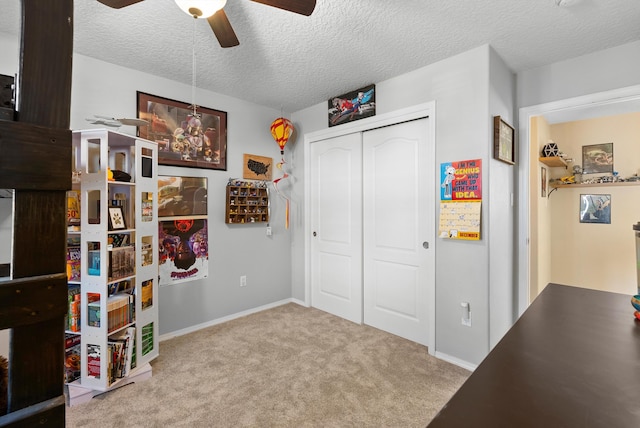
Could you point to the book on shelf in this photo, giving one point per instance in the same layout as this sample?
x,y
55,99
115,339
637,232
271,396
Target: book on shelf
x,y
147,339
73,208
73,314
147,294
117,240
93,262
93,309
120,287
122,262
73,264
93,361
121,310
147,253
71,357
147,206
121,351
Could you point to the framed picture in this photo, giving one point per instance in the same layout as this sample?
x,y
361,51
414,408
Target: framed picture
x,y
595,209
543,172
182,196
503,141
597,158
352,106
257,167
184,140
116,219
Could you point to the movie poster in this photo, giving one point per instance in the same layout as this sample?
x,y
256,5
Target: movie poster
x,y
182,229
184,250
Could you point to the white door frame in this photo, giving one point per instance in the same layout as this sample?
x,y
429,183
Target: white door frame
x,y
596,100
418,111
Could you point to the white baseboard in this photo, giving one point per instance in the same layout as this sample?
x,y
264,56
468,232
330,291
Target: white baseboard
x,y
217,321
457,361
300,302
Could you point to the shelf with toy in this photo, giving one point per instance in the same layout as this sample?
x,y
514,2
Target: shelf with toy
x,y
553,161
614,184
247,201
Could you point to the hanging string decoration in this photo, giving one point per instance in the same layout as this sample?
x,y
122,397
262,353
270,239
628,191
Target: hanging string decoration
x,y
281,130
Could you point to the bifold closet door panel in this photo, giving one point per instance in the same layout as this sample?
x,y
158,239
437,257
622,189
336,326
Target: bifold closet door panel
x,y
398,194
336,225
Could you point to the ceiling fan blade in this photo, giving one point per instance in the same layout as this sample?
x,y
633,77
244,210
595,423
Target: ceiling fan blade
x,y
303,7
222,29
119,4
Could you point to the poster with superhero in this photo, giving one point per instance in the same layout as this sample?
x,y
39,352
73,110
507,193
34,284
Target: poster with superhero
x,y
184,250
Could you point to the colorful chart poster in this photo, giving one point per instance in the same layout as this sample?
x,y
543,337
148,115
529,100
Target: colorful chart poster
x,y
460,220
461,180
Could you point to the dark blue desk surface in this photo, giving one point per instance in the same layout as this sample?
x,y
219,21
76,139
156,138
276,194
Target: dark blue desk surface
x,y
571,360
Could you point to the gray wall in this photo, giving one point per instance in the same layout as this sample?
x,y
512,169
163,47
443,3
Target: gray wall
x,y
461,88
501,212
468,90
234,250
604,70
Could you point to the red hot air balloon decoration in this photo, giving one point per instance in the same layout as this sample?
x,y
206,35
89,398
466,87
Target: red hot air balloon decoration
x,y
281,130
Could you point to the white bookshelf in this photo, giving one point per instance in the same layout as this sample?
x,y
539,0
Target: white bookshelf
x,y
119,262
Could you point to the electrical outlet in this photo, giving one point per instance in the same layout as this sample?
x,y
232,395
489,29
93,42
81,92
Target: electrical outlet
x,y
243,281
466,322
269,233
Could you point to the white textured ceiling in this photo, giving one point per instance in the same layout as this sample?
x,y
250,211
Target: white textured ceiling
x,y
290,61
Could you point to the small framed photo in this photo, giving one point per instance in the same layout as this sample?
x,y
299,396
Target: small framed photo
x,y
503,141
116,219
543,187
595,209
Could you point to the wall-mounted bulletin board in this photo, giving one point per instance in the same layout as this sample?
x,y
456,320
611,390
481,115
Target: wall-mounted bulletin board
x,y
460,200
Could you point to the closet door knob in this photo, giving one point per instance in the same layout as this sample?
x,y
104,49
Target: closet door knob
x,y
425,245
314,233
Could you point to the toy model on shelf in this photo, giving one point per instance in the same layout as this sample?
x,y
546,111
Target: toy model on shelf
x,y
247,201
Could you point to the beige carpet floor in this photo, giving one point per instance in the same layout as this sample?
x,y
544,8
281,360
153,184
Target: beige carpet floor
x,y
288,366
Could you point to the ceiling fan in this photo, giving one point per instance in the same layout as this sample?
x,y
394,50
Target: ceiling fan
x,y
213,11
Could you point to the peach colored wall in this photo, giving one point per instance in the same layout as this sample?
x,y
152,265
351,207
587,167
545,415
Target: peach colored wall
x,y
597,256
540,235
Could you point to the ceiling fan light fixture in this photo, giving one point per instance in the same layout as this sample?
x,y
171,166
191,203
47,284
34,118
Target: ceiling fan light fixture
x,y
200,8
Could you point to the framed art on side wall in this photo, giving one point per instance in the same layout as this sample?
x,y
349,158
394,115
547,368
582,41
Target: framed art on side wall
x,y
183,139
595,209
597,158
503,141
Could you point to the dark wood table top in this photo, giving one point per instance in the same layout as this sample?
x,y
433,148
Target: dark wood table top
x,y
571,360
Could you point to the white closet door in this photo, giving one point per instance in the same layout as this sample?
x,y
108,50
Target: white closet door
x,y
398,223
336,219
